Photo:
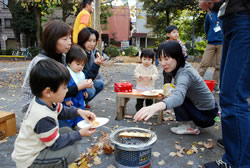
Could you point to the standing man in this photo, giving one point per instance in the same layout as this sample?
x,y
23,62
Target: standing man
x,y
83,19
234,83
214,46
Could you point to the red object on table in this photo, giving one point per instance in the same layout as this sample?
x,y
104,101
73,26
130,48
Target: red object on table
x,y
123,87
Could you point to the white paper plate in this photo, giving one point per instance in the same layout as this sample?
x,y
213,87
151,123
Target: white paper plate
x,y
101,120
151,93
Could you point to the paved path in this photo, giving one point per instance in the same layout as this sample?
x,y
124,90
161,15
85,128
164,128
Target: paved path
x,y
104,105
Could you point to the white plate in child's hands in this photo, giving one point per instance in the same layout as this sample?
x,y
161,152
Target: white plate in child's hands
x,y
100,120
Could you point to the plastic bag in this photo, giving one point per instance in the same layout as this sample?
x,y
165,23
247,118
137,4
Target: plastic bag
x,y
168,89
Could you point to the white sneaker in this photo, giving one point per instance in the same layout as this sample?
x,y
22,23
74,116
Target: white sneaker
x,y
185,129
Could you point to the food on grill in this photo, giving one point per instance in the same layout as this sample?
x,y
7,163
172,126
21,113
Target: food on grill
x,y
135,134
93,123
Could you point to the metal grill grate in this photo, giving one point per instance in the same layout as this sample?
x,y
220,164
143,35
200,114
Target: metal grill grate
x,y
133,143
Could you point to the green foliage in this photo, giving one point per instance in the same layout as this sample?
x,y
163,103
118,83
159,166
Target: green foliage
x,y
131,51
201,45
198,49
69,7
105,14
185,14
6,52
112,51
114,42
23,21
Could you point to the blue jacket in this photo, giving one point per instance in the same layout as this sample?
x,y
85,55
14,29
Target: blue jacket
x,y
213,37
78,102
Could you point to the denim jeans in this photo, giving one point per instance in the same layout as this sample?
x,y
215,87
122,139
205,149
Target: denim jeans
x,y
92,92
235,89
188,112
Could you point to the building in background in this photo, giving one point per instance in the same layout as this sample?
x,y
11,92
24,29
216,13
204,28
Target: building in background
x,y
7,37
142,37
118,28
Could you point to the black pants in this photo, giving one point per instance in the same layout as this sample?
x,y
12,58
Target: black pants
x,y
167,77
188,112
139,103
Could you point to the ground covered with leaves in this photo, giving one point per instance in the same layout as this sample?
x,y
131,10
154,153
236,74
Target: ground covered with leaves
x,y
169,151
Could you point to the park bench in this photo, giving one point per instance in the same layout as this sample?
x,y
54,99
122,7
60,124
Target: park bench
x,y
8,123
122,99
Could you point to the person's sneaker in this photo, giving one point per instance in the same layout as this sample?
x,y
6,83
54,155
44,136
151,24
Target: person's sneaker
x,y
217,164
185,129
87,106
220,143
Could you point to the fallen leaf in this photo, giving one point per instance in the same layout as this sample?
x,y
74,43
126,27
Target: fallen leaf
x,y
217,127
200,143
149,123
162,162
128,116
202,149
209,145
179,154
190,152
177,147
156,154
97,160
190,163
172,154
170,118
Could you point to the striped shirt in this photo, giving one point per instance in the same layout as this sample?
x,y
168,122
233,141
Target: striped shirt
x,y
40,130
183,47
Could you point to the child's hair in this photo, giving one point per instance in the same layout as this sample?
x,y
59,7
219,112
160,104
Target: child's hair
x,y
48,73
85,2
76,53
148,53
170,28
53,31
84,35
172,49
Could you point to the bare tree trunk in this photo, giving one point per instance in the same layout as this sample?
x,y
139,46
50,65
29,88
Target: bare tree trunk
x,y
97,22
38,22
167,16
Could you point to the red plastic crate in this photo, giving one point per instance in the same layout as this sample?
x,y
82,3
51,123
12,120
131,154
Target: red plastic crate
x,y
123,87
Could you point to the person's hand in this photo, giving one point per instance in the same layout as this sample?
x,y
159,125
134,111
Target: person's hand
x,y
207,4
147,112
85,94
87,115
88,83
141,77
87,131
69,103
148,77
99,59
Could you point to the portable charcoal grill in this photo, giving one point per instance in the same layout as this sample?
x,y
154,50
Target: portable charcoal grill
x,y
132,152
